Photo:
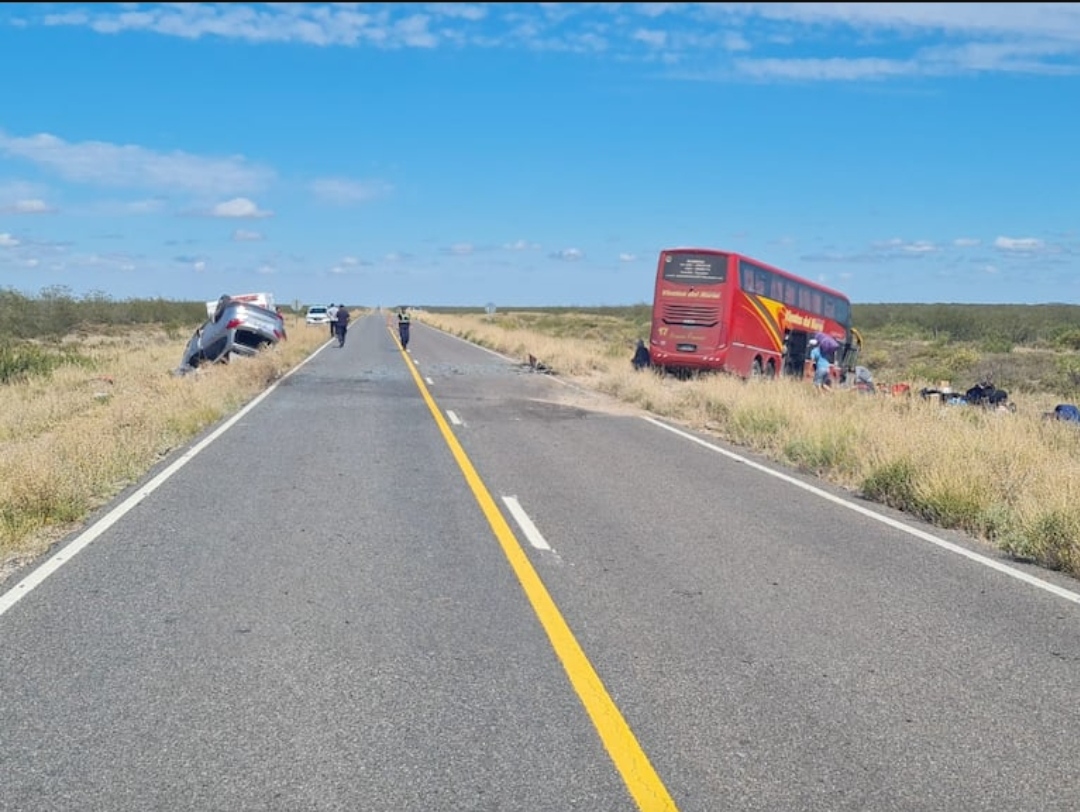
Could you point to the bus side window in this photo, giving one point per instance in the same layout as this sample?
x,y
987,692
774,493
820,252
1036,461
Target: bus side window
x,y
777,288
747,275
804,298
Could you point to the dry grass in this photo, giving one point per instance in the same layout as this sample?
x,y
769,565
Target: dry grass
x,y
1007,478
72,440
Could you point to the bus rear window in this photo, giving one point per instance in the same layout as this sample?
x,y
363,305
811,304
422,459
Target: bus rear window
x,y
695,268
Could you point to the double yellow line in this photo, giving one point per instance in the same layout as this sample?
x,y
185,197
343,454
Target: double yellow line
x,y
642,781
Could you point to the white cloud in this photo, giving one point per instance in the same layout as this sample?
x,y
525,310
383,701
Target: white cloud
x,y
568,255
651,37
149,206
124,208
736,42
315,24
342,191
897,247
521,245
627,257
464,11
803,41
7,241
919,247
243,235
126,165
965,242
30,206
461,249
1025,244
834,68
13,189
238,207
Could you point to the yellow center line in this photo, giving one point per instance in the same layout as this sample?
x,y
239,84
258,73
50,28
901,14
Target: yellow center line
x,y
645,786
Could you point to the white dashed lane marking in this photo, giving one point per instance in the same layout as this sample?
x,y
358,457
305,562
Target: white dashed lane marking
x,y
525,523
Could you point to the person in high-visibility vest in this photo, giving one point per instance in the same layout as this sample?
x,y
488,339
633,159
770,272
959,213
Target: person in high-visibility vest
x,y
403,326
342,324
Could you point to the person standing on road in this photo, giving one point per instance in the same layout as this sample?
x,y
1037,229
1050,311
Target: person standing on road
x,y
331,313
342,324
403,320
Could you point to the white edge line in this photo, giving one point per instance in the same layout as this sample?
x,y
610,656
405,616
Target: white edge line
x,y
453,417
525,523
52,564
1054,589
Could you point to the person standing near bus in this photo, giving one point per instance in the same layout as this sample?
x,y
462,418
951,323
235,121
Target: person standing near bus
x,y
403,320
641,358
821,365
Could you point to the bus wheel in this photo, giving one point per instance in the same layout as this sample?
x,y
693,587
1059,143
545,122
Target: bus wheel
x,y
756,370
771,369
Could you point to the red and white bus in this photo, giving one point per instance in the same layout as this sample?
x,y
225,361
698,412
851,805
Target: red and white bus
x,y
720,310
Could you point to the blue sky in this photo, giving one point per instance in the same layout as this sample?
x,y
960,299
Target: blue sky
x,y
538,153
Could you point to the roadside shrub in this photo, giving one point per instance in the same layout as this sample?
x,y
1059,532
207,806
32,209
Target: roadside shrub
x,y
892,483
1068,340
755,425
1066,377
831,451
25,360
1054,539
943,362
996,344
952,506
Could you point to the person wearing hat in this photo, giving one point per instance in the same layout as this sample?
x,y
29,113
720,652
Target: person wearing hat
x,y
821,364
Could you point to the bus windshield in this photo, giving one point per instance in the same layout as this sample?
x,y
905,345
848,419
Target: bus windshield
x,y
695,268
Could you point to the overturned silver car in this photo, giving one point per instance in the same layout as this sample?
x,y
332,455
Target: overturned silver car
x,y
235,328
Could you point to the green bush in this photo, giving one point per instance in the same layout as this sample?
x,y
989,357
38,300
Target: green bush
x,y
26,360
756,425
892,484
57,312
1068,340
818,454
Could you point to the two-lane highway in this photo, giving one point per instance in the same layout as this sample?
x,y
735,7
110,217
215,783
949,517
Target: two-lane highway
x,y
446,583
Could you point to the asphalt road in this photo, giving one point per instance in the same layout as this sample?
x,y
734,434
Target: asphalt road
x,y
444,582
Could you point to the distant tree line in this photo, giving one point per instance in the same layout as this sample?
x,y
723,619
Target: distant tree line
x,y
1043,325
1001,326
56,312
